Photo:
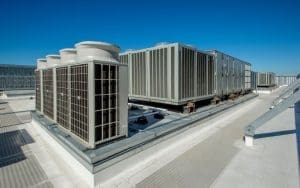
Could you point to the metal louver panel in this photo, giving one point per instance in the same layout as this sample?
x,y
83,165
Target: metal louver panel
x,y
158,73
124,59
186,73
138,66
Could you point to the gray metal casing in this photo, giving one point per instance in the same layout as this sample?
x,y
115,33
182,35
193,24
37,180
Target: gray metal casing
x,y
253,80
284,80
122,101
265,79
170,73
232,75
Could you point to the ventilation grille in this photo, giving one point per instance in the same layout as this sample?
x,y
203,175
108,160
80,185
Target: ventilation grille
x,y
138,66
247,76
186,73
284,80
211,75
265,79
253,80
79,101
124,59
62,97
48,92
37,91
202,76
106,102
158,73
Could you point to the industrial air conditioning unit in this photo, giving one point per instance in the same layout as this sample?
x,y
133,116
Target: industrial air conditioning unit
x,y
265,79
86,92
170,74
232,74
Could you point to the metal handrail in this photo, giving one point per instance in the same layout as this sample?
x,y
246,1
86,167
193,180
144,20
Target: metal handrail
x,y
286,102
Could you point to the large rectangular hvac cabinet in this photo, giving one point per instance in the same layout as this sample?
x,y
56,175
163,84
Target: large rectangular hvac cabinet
x,y
232,74
284,80
265,79
170,73
87,100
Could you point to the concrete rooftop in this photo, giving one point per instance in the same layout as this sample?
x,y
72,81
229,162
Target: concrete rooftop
x,y
211,154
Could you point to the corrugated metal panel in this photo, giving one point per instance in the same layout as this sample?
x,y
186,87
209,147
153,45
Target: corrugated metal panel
x,y
158,73
138,66
284,80
124,58
48,93
202,74
186,73
211,75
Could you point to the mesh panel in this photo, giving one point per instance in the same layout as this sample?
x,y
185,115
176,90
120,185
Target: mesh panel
x,y
106,102
48,93
62,97
79,101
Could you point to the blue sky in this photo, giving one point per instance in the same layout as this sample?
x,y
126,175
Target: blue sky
x,y
264,33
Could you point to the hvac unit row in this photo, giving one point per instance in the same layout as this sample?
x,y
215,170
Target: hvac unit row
x,y
176,74
284,80
85,92
232,75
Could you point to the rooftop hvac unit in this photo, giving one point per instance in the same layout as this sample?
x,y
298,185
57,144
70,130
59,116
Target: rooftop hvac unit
x,y
87,94
53,60
170,73
232,74
266,79
68,55
85,90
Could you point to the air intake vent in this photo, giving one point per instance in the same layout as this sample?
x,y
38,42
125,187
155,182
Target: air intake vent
x,y
48,93
79,101
62,97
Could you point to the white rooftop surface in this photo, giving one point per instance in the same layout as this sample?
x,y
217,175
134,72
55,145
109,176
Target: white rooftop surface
x,y
211,154
37,165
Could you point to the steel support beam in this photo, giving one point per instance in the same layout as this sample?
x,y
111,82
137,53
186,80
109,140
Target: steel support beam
x,y
283,104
